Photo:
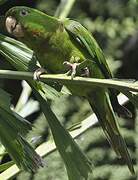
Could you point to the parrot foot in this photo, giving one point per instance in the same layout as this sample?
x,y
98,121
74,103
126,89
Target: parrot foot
x,y
72,67
38,72
86,72
80,68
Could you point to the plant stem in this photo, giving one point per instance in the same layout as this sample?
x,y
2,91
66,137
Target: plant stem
x,y
64,8
65,80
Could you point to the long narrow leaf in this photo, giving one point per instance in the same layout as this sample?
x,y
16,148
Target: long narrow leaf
x,y
12,129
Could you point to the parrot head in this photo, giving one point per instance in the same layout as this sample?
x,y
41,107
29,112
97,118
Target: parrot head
x,y
21,21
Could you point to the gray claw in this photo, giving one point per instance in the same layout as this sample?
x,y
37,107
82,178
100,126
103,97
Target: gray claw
x,y
38,72
73,67
86,72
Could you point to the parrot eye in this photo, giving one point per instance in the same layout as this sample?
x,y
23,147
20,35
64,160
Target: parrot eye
x,y
24,12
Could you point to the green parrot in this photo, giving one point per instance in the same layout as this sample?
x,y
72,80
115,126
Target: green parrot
x,y
12,130
65,44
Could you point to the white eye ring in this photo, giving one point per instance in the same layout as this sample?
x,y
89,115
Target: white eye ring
x,y
23,12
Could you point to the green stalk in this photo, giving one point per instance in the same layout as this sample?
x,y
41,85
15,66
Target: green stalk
x,y
64,8
110,83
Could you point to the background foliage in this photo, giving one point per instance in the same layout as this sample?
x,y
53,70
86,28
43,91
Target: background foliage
x,y
114,25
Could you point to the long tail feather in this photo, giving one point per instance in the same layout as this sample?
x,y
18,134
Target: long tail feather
x,y
101,105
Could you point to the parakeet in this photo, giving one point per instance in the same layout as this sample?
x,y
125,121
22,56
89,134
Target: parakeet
x,y
59,44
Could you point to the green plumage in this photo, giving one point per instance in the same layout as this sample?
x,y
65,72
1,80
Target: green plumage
x,y
54,42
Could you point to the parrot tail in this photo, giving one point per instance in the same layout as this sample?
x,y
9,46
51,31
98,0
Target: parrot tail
x,y
123,112
101,105
119,109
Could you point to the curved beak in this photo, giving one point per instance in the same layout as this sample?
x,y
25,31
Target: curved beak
x,y
13,27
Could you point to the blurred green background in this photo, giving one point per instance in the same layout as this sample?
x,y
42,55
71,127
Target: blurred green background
x,y
114,24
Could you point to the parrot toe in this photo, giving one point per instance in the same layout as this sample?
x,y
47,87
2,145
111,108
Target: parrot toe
x,y
72,67
86,72
39,72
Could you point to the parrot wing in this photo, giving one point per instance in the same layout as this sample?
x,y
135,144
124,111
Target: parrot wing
x,y
86,40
